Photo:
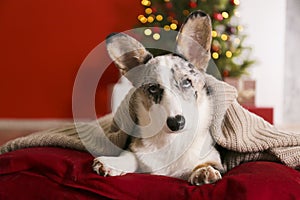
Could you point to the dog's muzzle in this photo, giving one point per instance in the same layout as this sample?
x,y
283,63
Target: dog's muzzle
x,y
176,123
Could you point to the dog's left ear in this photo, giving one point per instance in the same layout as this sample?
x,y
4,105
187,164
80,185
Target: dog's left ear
x,y
126,52
194,39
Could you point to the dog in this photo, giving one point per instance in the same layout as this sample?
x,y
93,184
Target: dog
x,y
170,105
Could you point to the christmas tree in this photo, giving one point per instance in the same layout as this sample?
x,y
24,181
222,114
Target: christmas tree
x,y
228,53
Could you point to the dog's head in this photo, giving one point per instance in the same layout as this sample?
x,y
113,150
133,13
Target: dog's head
x,y
174,81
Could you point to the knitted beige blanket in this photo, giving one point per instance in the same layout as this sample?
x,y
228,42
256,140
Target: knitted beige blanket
x,y
241,135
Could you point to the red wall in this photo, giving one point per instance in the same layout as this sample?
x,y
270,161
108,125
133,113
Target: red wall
x,y
43,44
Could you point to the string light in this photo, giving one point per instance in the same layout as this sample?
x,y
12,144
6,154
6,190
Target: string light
x,y
225,15
146,3
215,55
228,54
214,34
185,12
240,28
167,28
237,41
236,2
150,19
147,32
140,16
174,21
159,18
237,13
224,37
142,19
170,19
156,36
173,26
148,11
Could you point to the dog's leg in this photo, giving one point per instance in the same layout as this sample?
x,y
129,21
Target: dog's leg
x,y
204,174
115,166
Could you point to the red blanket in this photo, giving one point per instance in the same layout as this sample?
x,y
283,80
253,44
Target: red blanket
x,y
55,173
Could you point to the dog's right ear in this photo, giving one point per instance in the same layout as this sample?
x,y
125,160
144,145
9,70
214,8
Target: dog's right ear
x,y
126,52
194,39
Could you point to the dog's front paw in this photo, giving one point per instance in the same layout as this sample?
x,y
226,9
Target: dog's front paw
x,y
102,167
204,175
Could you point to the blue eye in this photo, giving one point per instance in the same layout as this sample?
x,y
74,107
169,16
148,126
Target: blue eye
x,y
186,83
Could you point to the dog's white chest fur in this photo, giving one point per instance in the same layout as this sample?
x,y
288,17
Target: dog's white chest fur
x,y
178,160
176,154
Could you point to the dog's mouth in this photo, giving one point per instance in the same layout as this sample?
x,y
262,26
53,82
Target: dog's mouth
x,y
173,132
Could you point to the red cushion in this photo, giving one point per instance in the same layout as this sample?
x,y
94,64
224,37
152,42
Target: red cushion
x,y
55,173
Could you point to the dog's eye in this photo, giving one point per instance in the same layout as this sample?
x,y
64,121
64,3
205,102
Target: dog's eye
x,y
186,83
153,89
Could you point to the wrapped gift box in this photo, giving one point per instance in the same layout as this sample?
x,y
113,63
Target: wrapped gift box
x,y
265,112
246,89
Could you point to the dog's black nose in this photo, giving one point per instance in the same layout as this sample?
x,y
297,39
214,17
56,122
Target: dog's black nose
x,y
176,123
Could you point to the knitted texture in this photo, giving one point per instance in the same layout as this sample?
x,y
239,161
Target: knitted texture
x,y
75,136
242,136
